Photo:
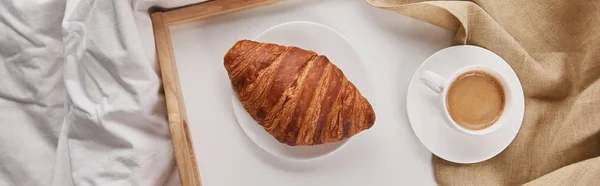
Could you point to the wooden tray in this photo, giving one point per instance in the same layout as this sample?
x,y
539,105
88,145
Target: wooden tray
x,y
418,40
180,136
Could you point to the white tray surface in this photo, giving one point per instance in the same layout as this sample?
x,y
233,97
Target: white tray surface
x,y
391,45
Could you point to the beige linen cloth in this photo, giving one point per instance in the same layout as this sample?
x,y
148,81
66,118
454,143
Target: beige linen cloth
x,y
554,47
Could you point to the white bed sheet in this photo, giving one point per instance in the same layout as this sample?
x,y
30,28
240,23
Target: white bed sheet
x,y
80,97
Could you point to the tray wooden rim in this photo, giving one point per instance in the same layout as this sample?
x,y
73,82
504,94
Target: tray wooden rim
x,y
185,157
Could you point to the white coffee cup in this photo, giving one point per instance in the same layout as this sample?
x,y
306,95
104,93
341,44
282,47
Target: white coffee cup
x,y
440,85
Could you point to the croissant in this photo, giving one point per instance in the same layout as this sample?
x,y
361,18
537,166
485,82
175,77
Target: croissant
x,y
296,95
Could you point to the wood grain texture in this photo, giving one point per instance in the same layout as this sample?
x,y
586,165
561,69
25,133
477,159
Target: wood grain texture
x,y
177,118
296,95
178,124
210,9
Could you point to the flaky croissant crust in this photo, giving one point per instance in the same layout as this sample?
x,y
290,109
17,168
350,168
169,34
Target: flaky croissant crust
x,y
298,96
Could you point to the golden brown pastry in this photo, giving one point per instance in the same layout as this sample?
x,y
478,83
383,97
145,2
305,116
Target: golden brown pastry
x,y
298,96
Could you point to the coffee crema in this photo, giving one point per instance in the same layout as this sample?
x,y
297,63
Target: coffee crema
x,y
475,100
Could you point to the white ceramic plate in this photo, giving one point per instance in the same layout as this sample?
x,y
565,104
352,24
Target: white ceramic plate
x,y
426,118
324,41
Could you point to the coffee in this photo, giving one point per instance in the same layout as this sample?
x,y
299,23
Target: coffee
x,y
475,100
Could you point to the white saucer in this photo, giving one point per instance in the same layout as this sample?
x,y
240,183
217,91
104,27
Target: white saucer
x,y
426,118
324,41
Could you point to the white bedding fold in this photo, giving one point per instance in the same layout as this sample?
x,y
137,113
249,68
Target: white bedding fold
x,y
80,96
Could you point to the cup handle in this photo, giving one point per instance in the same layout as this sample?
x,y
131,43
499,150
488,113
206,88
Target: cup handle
x,y
434,81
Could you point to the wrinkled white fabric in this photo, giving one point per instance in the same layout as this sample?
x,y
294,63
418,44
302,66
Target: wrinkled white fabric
x,y
80,96
31,91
